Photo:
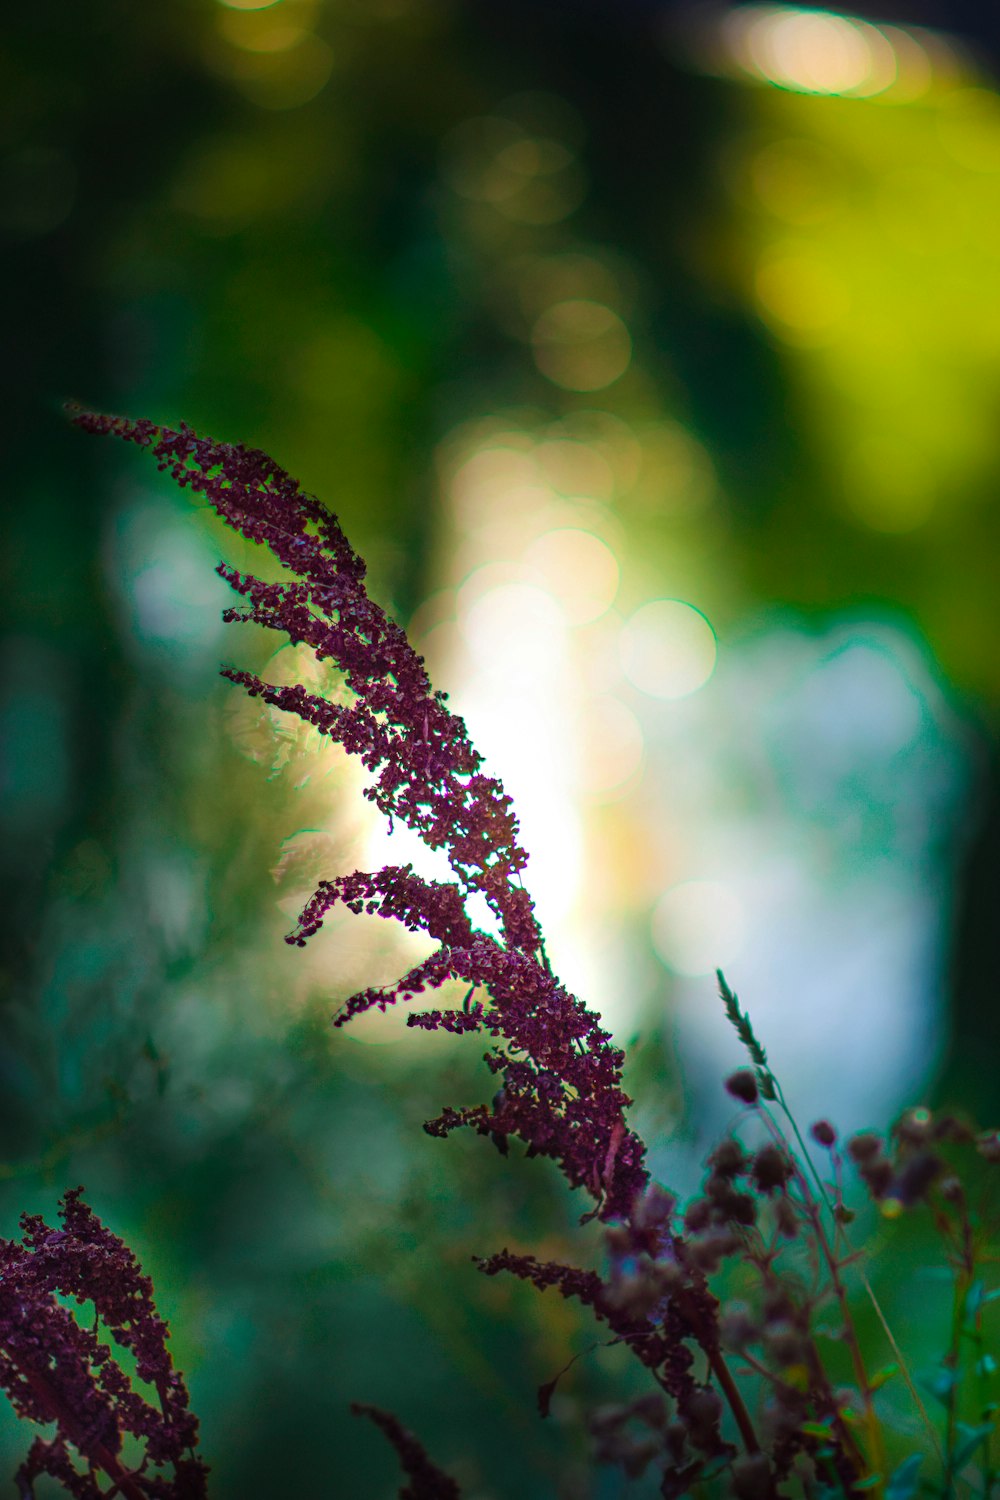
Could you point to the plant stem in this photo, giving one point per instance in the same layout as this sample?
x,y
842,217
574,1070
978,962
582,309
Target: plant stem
x,y
97,1454
876,1450
869,1290
731,1390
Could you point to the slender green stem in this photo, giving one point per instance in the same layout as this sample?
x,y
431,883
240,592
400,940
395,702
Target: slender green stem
x,y
897,1353
876,1453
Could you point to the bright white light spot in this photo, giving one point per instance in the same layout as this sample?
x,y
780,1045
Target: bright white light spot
x,y
581,345
577,569
668,649
811,51
511,627
698,926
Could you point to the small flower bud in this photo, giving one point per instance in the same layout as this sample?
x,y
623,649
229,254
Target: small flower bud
x,y
914,1126
709,1251
916,1178
864,1146
878,1176
728,1159
655,1207
823,1134
743,1085
771,1168
697,1216
702,1411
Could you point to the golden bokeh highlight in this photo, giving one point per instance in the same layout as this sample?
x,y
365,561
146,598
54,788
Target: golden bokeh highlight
x,y
581,345
577,569
812,51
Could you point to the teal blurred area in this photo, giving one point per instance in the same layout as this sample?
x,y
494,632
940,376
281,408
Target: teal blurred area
x,y
651,362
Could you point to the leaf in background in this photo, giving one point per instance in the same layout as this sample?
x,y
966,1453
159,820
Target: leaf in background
x,y
971,1439
903,1482
941,1383
880,1377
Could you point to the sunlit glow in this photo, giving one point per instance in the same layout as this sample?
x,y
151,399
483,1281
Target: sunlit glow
x,y
581,345
249,4
698,926
811,51
802,298
668,649
510,625
498,479
513,698
606,744
576,569
575,468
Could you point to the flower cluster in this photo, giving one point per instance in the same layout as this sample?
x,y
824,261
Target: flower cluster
x,y
56,1370
745,1392
560,1076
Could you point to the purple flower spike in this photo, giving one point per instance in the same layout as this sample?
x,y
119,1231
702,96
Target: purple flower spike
x,y
55,1370
561,1076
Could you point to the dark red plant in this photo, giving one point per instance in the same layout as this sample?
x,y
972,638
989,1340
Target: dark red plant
x,y
559,1075
56,1370
766,1210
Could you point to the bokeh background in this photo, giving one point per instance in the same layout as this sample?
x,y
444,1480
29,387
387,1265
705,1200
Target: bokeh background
x,y
651,356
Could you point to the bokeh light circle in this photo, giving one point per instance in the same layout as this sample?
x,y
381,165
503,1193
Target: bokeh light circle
x,y
577,569
581,345
668,649
698,926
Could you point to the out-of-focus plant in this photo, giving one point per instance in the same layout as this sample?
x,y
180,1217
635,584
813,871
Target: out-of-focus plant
x,y
750,1307
56,1370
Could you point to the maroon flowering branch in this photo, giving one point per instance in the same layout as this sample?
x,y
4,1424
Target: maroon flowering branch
x,y
426,1480
764,1210
55,1370
559,1075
